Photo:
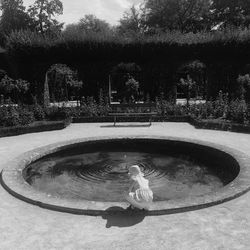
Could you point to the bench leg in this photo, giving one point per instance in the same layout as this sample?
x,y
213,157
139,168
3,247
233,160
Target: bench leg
x,y
150,120
114,120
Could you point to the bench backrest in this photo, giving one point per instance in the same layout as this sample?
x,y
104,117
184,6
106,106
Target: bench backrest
x,y
133,108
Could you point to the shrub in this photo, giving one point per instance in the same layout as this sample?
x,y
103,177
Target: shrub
x,y
103,104
9,116
89,107
38,112
14,89
175,109
237,111
221,105
50,111
25,116
204,110
57,113
164,107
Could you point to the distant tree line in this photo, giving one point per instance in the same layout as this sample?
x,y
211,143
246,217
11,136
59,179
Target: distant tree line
x,y
151,17
39,17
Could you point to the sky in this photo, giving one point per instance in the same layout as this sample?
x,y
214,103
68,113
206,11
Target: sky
x,y
108,10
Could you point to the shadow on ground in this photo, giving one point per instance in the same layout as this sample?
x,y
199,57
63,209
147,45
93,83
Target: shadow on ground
x,y
120,217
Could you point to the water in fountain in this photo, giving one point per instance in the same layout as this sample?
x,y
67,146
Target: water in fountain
x,y
102,175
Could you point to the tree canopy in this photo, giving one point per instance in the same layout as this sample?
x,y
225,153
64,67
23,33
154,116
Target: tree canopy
x,y
233,13
183,15
131,23
90,23
63,82
14,17
156,16
43,12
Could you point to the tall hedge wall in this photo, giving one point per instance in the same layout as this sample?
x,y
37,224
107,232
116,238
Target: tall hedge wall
x,y
224,53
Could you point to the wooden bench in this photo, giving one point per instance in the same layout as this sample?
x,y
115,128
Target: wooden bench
x,y
122,115
138,110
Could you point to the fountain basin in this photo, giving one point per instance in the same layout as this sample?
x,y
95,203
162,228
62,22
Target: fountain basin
x,y
184,175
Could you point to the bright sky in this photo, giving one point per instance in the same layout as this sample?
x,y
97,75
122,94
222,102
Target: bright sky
x,y
109,10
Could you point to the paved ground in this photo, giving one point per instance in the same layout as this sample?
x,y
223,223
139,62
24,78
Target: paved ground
x,y
24,226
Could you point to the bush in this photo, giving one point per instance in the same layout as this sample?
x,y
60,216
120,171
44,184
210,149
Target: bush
x,y
64,113
16,90
50,112
9,116
89,107
38,111
175,110
25,116
61,113
237,111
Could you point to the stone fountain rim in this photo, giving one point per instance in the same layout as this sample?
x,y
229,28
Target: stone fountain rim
x,y
12,180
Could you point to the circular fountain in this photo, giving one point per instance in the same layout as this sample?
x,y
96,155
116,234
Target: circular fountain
x,y
91,175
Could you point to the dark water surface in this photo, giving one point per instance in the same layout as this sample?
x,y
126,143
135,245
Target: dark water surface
x,y
101,175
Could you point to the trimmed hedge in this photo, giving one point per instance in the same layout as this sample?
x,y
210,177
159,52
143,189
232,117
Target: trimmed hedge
x,y
214,124
227,43
39,126
225,54
220,125
144,118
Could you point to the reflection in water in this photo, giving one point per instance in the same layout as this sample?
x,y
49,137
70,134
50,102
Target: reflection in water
x,y
103,176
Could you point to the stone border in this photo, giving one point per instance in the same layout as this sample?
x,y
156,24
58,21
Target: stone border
x,y
12,180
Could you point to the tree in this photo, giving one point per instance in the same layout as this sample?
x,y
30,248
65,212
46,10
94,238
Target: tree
x,y
90,23
131,23
63,82
132,89
197,71
188,84
183,15
75,88
230,13
72,29
43,12
14,17
121,74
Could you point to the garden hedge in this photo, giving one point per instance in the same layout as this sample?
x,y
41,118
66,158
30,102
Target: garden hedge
x,y
35,127
199,124
57,125
225,55
220,125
